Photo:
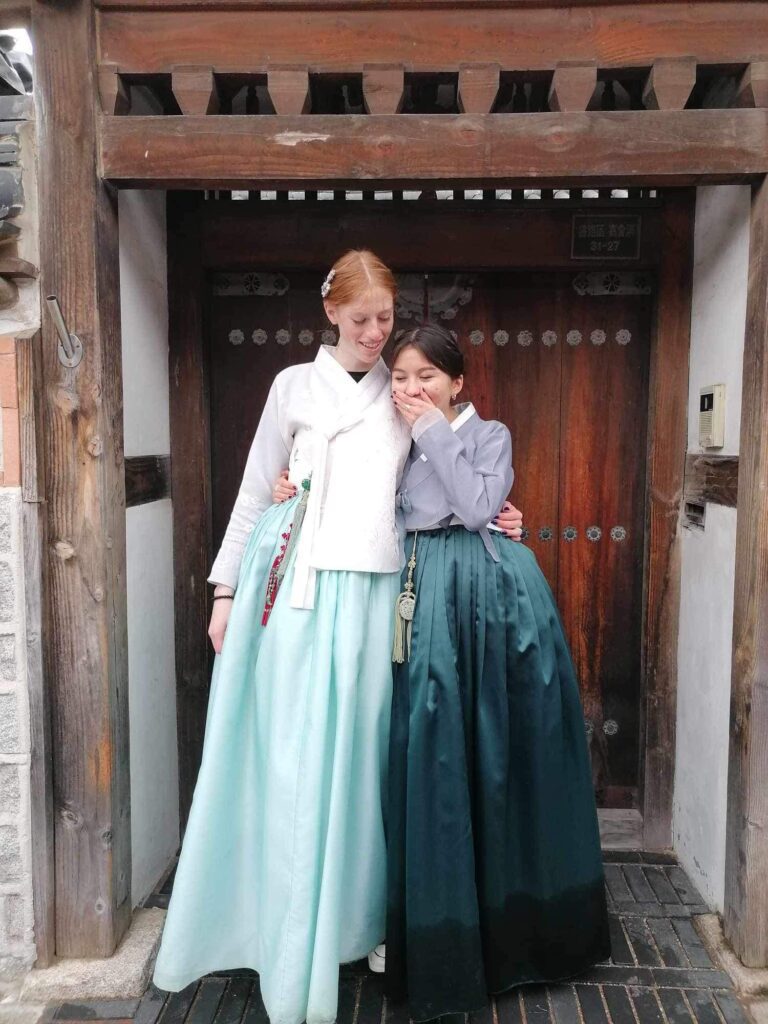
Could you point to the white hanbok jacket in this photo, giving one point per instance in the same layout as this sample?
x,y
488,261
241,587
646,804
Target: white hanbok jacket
x,y
347,437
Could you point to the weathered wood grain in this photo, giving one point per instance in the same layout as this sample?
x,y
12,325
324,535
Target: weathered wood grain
x,y
437,38
147,478
33,531
85,634
637,147
712,478
746,894
667,431
190,483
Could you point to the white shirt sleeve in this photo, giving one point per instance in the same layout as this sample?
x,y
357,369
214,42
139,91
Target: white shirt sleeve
x,y
268,456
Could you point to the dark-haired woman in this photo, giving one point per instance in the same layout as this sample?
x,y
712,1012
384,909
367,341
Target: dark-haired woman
x,y
494,870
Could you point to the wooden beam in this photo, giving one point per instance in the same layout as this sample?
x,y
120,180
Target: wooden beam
x,y
147,478
669,84
752,90
340,151
501,236
113,92
383,88
713,478
289,89
439,37
478,87
746,865
85,633
572,87
667,432
195,90
372,5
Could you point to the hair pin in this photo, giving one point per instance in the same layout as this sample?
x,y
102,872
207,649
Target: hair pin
x,y
326,286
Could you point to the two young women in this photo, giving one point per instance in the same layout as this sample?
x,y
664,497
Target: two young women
x,y
493,850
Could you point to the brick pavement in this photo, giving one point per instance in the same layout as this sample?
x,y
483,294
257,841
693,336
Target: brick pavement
x,y
659,973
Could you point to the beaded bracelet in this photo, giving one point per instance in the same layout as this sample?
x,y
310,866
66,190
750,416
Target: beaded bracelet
x,y
223,597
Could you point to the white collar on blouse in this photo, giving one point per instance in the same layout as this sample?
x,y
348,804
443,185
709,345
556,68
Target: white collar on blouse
x,y
467,410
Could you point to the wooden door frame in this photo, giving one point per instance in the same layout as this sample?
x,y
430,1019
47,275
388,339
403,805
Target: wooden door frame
x,y
196,244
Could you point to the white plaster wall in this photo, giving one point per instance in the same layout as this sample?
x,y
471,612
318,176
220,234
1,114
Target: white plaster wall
x,y
144,314
152,694
149,542
721,252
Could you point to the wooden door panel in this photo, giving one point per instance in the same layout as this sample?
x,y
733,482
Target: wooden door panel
x,y
567,373
511,376
605,353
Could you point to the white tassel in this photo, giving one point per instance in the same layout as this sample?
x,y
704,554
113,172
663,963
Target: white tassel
x,y
405,606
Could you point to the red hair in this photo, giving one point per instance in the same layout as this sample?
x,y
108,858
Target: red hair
x,y
357,272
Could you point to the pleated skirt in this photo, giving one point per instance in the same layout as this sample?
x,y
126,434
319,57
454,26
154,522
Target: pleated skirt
x,y
495,876
283,863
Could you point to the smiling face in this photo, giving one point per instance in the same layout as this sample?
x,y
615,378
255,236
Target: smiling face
x,y
412,372
364,328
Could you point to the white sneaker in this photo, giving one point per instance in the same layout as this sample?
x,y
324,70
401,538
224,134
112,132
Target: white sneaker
x,y
377,958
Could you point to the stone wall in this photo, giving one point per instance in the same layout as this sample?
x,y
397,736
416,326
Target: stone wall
x,y
19,317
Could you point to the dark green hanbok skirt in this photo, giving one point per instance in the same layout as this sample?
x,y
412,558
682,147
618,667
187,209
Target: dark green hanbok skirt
x,y
495,875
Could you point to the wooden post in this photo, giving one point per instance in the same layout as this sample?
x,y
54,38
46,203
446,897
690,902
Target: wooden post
x,y
667,444
190,482
746,866
85,633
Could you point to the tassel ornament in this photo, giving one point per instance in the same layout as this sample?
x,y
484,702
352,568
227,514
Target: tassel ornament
x,y
405,607
283,559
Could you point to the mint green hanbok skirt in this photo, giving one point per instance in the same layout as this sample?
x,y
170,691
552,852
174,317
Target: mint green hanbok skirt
x,y
283,864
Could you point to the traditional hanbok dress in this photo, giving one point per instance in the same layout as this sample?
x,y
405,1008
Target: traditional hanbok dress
x,y
282,867
494,868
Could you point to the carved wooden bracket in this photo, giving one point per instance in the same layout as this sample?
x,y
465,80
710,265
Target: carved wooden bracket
x,y
113,93
289,89
478,87
669,84
753,86
572,86
195,89
383,88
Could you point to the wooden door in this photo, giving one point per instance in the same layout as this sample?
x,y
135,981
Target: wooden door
x,y
562,359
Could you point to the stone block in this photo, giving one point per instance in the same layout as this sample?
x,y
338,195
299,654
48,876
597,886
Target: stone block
x,y
6,524
9,724
8,657
14,918
10,792
10,854
7,593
